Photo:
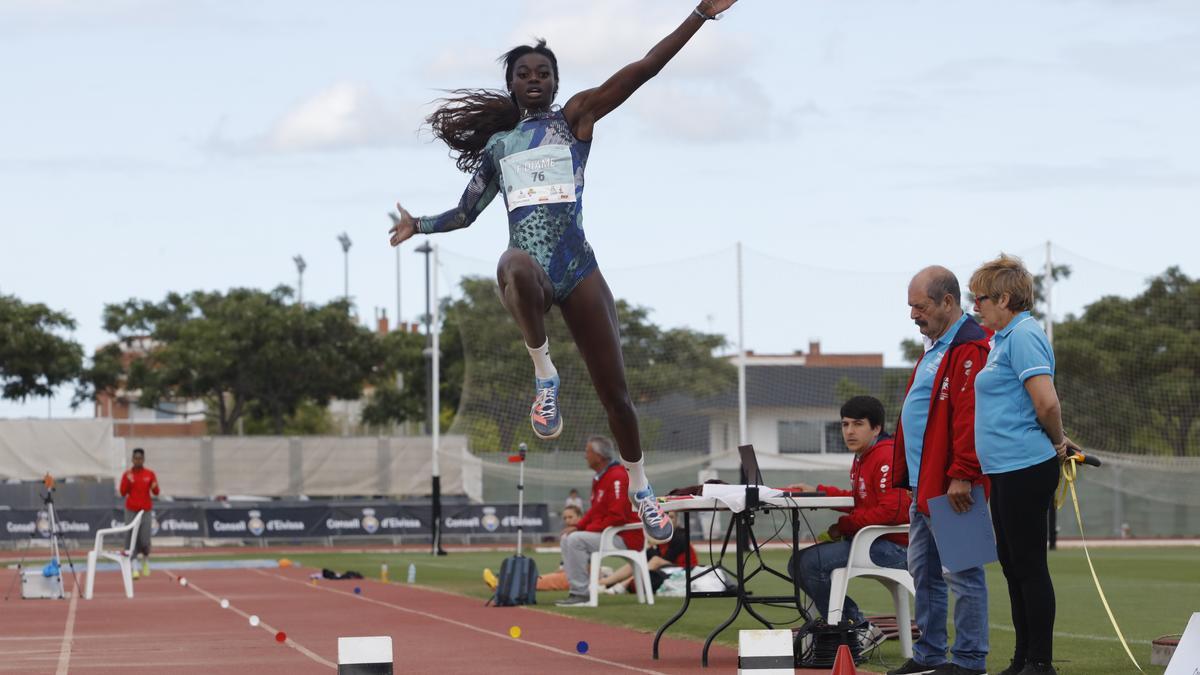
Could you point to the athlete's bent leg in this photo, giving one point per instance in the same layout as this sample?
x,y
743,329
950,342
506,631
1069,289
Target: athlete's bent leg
x,y
527,293
591,316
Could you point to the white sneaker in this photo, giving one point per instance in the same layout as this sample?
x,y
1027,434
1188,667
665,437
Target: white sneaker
x,y
870,637
616,589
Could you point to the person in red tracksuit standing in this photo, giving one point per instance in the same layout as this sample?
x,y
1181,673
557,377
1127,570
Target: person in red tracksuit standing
x,y
876,502
610,506
137,486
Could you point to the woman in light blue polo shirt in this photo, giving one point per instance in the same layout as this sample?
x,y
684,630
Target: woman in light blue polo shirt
x,y
1020,442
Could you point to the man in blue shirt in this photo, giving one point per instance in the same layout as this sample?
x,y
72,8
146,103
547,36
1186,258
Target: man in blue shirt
x,y
935,456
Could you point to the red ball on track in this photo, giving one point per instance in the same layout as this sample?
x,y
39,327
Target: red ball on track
x,y
281,636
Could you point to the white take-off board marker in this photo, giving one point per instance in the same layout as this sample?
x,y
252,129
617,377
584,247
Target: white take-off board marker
x,y
765,652
365,655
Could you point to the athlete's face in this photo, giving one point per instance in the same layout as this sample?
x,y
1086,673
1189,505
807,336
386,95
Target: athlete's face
x,y
533,82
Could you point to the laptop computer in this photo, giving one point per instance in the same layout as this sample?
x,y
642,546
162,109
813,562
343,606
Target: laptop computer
x,y
752,475
750,472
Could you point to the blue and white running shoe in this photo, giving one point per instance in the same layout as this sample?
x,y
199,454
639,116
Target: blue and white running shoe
x,y
655,521
544,417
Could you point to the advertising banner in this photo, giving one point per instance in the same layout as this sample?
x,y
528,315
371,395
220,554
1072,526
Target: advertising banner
x,y
72,523
289,522
299,521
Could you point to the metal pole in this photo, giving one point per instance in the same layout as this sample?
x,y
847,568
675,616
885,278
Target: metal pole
x,y
522,450
436,360
344,239
1047,291
432,399
399,315
743,432
437,398
300,266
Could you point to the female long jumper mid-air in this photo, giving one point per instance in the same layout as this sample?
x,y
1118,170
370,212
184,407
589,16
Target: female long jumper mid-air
x,y
534,154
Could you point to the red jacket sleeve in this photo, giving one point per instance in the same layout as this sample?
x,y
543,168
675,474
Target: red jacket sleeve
x,y
154,483
835,491
964,463
886,503
125,484
610,504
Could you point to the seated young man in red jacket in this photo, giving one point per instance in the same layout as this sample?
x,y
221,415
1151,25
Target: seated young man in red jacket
x,y
610,506
876,502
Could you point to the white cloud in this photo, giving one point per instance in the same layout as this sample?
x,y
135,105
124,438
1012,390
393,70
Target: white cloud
x,y
703,95
708,111
344,116
598,38
593,41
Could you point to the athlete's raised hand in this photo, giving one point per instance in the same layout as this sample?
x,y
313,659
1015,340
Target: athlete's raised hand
x,y
714,7
404,226
587,107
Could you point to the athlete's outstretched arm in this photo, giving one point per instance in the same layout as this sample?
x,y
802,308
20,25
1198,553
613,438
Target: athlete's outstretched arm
x,y
479,193
588,106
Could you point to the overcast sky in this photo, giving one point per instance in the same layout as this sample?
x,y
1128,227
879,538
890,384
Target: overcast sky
x,y
148,147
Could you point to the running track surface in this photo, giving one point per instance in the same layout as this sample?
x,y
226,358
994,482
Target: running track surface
x,y
169,628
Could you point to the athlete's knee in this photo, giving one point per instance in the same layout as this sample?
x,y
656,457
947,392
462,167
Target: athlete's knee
x,y
616,400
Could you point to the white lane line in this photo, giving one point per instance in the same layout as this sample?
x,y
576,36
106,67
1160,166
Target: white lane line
x,y
435,617
1074,636
261,624
64,651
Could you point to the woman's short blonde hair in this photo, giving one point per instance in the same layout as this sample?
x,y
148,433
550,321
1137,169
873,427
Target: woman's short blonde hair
x,y
1006,274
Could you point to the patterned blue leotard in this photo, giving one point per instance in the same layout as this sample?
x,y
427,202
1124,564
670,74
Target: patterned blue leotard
x,y
539,167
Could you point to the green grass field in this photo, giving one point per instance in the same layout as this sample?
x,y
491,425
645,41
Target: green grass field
x,y
1152,591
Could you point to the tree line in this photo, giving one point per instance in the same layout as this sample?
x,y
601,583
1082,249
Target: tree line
x,y
1128,368
266,364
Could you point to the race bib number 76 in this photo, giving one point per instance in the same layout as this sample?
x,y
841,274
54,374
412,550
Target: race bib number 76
x,y
542,175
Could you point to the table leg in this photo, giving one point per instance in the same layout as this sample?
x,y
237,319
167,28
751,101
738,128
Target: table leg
x,y
738,522
687,592
712,636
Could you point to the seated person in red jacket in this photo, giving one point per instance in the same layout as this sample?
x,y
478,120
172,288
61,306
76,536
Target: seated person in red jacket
x,y
675,553
876,502
610,506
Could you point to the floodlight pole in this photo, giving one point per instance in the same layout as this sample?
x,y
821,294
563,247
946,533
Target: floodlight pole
x,y
300,267
399,315
344,240
432,364
743,431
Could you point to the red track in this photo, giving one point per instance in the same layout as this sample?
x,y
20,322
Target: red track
x,y
167,628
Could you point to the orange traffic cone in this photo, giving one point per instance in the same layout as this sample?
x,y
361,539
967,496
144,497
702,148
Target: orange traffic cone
x,y
843,664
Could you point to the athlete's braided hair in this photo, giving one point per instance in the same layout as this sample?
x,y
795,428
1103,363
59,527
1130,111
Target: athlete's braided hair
x,y
467,118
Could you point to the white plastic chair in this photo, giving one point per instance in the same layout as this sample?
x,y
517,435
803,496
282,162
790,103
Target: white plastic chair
x,y
608,548
124,559
861,565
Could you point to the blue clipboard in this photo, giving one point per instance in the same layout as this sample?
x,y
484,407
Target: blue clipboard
x,y
964,540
